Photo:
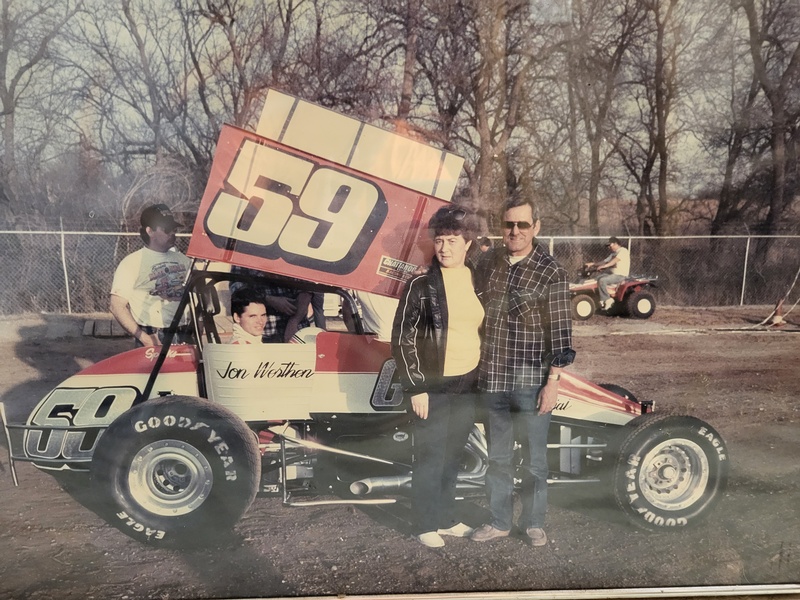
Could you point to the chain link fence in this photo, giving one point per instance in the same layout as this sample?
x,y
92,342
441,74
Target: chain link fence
x,y
699,270
71,272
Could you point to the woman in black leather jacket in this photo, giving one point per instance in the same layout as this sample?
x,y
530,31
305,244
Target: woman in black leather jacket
x,y
436,345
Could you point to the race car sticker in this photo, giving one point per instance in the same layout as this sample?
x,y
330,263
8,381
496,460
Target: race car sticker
x,y
396,269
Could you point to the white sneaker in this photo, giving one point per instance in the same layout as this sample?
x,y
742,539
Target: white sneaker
x,y
431,539
457,530
608,303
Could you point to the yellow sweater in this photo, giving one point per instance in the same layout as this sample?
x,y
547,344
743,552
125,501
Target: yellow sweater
x,y
465,315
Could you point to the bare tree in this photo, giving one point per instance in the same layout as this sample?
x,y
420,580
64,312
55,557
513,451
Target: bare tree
x,y
447,59
654,122
602,35
349,58
497,96
728,118
158,78
412,26
28,30
567,111
774,34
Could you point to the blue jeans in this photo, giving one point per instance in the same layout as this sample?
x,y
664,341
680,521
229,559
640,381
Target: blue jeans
x,y
439,444
511,412
603,281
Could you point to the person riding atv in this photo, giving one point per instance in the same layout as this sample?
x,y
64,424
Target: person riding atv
x,y
614,292
618,263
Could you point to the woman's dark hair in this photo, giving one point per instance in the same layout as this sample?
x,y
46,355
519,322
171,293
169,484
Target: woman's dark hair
x,y
243,297
453,220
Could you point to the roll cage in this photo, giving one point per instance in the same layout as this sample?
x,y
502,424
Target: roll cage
x,y
201,298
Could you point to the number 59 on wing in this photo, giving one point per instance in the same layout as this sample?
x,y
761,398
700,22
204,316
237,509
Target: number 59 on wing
x,y
278,209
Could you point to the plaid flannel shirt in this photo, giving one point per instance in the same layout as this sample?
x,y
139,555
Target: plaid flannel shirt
x,y
277,321
528,325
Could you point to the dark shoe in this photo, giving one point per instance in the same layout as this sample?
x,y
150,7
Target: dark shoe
x,y
537,535
485,533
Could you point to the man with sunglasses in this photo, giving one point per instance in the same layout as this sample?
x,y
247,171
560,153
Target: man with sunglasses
x,y
148,283
527,341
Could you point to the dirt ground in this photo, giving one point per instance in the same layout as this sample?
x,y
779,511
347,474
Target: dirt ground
x,y
716,364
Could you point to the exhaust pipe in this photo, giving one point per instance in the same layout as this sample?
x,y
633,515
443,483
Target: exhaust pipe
x,y
382,485
477,448
398,483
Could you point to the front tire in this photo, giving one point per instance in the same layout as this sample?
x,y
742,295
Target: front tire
x,y
670,471
583,307
176,471
640,305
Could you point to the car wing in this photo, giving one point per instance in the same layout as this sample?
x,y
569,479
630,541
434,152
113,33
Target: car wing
x,y
275,207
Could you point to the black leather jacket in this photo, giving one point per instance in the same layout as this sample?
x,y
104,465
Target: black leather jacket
x,y
419,333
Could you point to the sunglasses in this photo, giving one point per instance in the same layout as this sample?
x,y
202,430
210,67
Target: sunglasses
x,y
457,213
521,225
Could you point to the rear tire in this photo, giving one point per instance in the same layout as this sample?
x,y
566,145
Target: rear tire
x,y
583,307
176,471
670,471
640,305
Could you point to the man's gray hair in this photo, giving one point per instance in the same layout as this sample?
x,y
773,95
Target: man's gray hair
x,y
516,201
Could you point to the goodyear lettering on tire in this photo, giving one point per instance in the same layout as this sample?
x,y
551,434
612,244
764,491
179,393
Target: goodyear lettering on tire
x,y
719,446
150,533
219,445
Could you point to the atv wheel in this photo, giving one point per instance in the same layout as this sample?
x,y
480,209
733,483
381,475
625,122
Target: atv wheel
x,y
583,307
640,304
670,472
175,471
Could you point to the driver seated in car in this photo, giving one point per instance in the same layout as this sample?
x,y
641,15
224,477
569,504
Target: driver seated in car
x,y
249,316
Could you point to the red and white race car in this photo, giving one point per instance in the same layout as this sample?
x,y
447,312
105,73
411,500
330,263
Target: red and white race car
x,y
177,441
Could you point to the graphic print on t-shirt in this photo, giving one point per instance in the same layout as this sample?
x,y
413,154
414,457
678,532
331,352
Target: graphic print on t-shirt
x,y
167,280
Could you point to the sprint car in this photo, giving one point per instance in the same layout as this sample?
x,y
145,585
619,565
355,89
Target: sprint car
x,y
175,442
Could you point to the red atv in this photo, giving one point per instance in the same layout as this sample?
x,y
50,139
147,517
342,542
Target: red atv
x,y
632,297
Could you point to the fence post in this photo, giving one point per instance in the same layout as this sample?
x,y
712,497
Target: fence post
x,y
744,273
64,266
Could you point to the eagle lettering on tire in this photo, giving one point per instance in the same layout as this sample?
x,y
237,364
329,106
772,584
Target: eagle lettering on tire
x,y
671,471
176,470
